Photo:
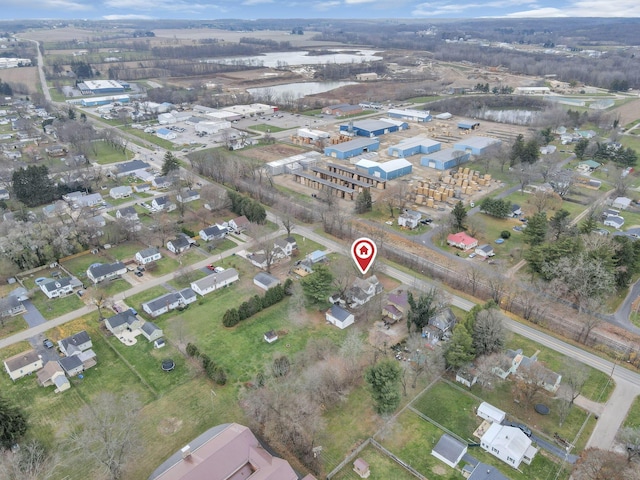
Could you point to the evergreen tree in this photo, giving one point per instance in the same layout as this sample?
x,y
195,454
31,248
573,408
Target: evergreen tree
x,y
517,150
421,310
317,286
581,148
363,202
171,164
13,424
536,231
458,216
33,186
459,350
384,381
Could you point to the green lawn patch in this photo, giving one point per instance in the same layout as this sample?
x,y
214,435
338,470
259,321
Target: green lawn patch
x,y
633,416
380,465
11,325
124,251
105,154
184,281
264,127
111,287
56,307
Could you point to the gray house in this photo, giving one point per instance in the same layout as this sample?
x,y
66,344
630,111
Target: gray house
x,y
99,272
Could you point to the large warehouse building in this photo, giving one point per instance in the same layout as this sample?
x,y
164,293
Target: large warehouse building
x,y
414,146
101,87
476,145
374,128
445,159
386,170
354,147
410,114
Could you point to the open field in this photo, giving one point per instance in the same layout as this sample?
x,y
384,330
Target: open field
x,y
25,75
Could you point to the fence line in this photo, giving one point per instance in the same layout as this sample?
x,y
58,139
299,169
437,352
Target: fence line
x,y
350,457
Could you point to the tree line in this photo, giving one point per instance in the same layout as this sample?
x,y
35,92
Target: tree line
x,y
256,304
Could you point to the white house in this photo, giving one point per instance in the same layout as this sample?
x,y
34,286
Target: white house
x,y
101,271
214,232
54,288
179,244
363,290
239,224
148,255
284,247
75,343
169,301
339,317
163,203
622,203
127,213
161,182
186,196
122,321
87,200
120,192
271,336
490,413
449,450
215,281
23,364
615,221
485,250
409,219
509,444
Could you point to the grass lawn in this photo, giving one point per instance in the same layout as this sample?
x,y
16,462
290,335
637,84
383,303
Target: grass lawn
x,y
11,325
137,300
184,281
124,251
55,307
264,127
380,466
105,154
633,416
163,266
111,287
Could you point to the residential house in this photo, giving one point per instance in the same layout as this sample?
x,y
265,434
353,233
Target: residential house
x,y
397,305
75,344
259,260
615,221
265,280
126,320
169,301
179,244
127,213
120,192
224,452
239,224
483,471
161,182
442,322
339,317
88,200
163,203
363,290
57,208
491,414
485,250
285,246
4,194
134,167
11,305
271,336
509,363
509,444
59,287
462,241
409,219
514,360
151,331
214,281
186,196
53,374
587,166
72,365
449,450
214,232
22,364
516,211
148,255
142,187
99,272
317,256
621,202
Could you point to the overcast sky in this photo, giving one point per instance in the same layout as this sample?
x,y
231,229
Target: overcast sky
x,y
250,9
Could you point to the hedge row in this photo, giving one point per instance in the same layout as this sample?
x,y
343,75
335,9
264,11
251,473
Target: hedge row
x,y
255,304
214,372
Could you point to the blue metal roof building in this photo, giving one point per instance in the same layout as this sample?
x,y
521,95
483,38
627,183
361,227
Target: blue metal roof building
x,y
387,170
374,128
464,125
352,148
445,159
414,146
476,145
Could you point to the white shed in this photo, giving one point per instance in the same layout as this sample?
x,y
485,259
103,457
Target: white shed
x,y
491,413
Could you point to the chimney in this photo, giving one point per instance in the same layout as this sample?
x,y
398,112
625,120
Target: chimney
x,y
186,452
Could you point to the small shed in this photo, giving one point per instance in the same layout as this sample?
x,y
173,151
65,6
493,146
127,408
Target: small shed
x,y
271,336
449,450
491,413
361,468
159,343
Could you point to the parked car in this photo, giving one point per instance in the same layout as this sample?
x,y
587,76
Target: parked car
x,y
47,343
526,430
138,274
80,293
211,267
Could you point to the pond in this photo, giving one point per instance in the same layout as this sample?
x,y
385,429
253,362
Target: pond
x,y
300,57
296,90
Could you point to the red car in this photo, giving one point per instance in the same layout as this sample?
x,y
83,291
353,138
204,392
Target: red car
x,y
211,266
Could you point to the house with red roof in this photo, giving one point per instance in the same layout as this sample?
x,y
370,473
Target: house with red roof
x,y
462,241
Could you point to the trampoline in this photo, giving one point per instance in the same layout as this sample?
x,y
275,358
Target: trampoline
x,y
542,409
168,365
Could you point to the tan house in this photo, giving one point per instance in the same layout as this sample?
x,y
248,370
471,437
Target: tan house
x,y
53,374
22,364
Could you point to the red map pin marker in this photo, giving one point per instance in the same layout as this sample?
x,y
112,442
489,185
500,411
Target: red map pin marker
x,y
363,251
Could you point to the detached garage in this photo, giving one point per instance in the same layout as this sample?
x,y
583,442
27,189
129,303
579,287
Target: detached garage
x,y
265,281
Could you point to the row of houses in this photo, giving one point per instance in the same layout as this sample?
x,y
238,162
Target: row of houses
x,y
78,356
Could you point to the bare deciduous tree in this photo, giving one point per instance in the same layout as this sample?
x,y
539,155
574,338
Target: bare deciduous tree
x,y
107,432
574,375
32,462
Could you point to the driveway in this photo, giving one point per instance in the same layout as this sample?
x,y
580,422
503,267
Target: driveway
x,y
32,316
